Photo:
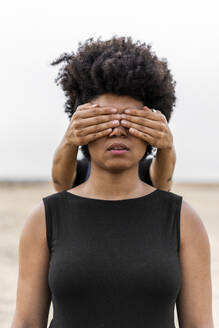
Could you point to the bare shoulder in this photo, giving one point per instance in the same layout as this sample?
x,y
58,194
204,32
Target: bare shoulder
x,y
33,294
192,229
34,228
194,303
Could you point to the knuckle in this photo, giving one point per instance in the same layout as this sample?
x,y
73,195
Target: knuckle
x,y
73,124
78,133
145,137
162,126
105,118
76,124
96,134
163,117
98,119
97,127
82,106
79,107
145,121
103,132
95,111
75,115
92,128
105,110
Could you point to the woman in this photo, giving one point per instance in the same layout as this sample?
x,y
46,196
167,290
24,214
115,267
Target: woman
x,y
114,251
157,171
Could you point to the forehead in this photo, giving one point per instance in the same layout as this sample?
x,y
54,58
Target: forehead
x,y
119,102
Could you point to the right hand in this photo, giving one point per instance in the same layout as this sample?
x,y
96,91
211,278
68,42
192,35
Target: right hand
x,y
90,123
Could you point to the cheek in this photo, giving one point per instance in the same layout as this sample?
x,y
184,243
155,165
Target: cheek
x,y
139,145
96,146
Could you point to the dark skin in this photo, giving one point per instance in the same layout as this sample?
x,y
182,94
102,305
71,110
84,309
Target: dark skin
x,y
121,181
119,173
89,123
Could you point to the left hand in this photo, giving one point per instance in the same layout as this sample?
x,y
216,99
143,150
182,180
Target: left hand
x,y
149,126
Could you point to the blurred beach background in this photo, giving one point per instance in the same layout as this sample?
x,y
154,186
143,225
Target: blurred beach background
x,y
33,121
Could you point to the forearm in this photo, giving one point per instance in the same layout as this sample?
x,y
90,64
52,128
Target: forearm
x,y
162,168
64,165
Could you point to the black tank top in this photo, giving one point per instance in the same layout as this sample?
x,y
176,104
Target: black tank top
x,y
113,263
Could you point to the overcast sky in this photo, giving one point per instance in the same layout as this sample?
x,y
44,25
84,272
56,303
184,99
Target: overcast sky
x,y
33,121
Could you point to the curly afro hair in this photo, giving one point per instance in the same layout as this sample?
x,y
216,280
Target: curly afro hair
x,y
118,66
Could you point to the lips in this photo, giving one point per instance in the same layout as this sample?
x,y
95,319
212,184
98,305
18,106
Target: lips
x,y
117,145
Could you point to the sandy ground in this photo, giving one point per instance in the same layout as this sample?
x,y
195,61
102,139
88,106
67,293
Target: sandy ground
x,y
17,199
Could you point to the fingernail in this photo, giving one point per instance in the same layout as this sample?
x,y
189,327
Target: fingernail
x,y
94,105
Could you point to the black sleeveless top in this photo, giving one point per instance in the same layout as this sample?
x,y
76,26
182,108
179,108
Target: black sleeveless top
x,y
113,263
83,171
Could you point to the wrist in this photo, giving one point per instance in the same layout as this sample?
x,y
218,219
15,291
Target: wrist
x,y
166,152
67,142
169,148
69,150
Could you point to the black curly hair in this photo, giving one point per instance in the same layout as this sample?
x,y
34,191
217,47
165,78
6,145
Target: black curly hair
x,y
120,66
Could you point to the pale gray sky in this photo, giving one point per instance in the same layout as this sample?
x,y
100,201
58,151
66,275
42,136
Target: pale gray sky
x,y
33,121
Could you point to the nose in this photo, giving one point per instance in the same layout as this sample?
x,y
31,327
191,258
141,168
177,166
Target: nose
x,y
119,131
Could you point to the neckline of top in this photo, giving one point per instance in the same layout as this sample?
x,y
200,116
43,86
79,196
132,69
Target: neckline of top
x,y
113,200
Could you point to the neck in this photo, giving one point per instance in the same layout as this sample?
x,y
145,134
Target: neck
x,y
109,184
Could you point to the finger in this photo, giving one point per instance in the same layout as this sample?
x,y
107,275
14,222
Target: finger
x,y
94,111
157,125
143,136
143,113
86,105
86,130
147,108
96,135
82,123
156,112
152,132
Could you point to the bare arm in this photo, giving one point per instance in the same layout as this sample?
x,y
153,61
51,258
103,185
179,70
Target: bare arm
x,y
33,294
64,165
162,168
194,304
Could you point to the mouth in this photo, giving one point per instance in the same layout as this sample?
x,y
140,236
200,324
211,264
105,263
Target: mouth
x,y
118,148
118,151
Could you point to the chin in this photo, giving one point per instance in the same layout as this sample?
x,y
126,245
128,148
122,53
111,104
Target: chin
x,y
118,165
